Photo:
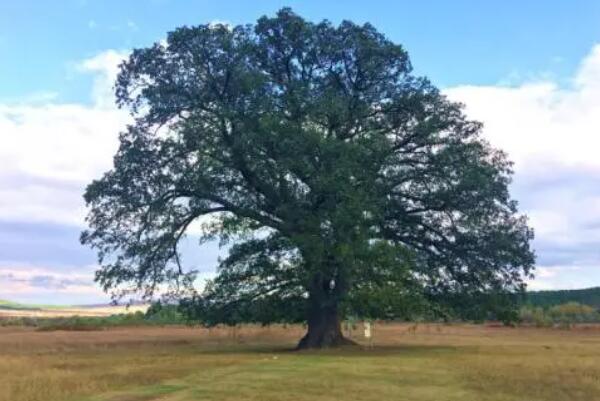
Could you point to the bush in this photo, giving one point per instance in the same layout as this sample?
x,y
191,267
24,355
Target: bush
x,y
563,315
86,323
19,321
535,316
573,312
164,314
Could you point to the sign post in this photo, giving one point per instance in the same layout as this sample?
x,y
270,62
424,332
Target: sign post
x,y
369,333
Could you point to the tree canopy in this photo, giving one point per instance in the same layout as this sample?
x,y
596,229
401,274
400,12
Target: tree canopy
x,y
341,182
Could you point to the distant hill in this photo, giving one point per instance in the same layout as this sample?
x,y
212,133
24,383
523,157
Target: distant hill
x,y
4,304
587,296
10,309
10,305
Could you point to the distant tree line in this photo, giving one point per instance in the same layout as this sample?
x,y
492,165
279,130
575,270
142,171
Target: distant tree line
x,y
546,299
158,314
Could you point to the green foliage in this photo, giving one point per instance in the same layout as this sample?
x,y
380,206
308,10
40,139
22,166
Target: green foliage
x,y
342,182
534,315
573,312
587,296
85,323
77,323
19,321
561,307
482,306
563,315
157,314
163,314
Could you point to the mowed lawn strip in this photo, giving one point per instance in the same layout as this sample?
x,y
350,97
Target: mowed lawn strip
x,y
428,362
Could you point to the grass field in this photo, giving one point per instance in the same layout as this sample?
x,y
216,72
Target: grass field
x,y
431,362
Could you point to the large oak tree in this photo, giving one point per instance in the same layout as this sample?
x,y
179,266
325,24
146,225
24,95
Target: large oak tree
x,y
342,182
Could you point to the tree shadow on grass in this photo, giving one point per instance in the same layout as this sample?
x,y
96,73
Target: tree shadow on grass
x,y
358,350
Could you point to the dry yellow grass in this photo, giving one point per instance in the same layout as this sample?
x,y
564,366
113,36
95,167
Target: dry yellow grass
x,y
429,362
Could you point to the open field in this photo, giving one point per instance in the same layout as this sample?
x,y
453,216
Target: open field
x,y
429,362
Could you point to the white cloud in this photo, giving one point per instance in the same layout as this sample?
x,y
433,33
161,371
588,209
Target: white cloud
x,y
51,150
540,122
33,98
552,133
48,285
565,278
105,67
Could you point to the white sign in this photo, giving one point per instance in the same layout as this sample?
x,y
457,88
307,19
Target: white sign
x,y
367,329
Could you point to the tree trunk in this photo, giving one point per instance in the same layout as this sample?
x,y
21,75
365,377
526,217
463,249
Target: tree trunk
x,y
324,331
324,324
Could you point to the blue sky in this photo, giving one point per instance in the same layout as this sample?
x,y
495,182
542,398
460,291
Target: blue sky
x,y
453,42
529,70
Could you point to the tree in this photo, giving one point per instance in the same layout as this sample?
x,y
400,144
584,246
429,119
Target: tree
x,y
341,182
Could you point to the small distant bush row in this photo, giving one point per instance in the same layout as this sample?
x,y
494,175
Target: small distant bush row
x,y
158,315
564,315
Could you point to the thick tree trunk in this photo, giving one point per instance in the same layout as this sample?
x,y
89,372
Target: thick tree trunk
x,y
324,323
324,331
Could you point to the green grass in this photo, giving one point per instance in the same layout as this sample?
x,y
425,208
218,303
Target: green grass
x,y
405,373
433,362
326,376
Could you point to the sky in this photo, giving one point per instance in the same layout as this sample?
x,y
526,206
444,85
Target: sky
x,y
530,71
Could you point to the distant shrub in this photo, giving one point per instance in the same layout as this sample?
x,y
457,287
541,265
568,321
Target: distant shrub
x,y
75,323
86,323
164,314
535,315
19,321
563,315
573,312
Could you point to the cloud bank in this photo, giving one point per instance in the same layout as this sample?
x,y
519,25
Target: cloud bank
x,y
50,151
552,133
34,284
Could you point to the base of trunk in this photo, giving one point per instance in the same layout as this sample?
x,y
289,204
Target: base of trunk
x,y
326,336
307,343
